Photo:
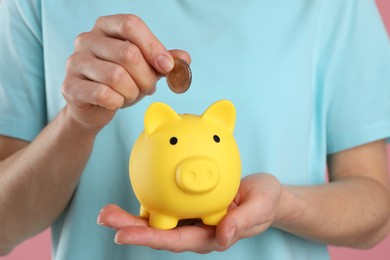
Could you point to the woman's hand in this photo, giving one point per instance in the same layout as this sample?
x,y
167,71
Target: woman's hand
x,y
252,211
114,65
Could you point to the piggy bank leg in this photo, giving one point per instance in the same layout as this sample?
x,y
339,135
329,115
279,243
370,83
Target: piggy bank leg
x,y
143,212
214,219
162,221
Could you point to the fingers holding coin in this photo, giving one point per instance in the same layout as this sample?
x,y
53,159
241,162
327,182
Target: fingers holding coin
x,y
180,77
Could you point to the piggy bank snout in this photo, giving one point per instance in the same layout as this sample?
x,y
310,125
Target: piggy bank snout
x,y
197,175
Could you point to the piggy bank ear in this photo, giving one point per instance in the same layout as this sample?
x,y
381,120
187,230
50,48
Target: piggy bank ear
x,y
222,111
157,115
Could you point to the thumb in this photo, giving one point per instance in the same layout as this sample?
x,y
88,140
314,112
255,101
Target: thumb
x,y
180,54
252,216
229,227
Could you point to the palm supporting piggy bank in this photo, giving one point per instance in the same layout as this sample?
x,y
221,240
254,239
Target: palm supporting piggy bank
x,y
186,166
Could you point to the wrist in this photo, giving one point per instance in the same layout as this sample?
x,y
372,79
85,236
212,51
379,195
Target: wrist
x,y
70,132
75,125
290,209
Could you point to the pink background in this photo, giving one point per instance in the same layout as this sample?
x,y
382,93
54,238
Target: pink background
x,y
38,247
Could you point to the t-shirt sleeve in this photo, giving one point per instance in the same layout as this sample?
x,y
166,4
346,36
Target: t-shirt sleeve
x,y
356,74
22,85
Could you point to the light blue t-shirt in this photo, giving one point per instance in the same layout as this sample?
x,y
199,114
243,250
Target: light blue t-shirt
x,y
307,77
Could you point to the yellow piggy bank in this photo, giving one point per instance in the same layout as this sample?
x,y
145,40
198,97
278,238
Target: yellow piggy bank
x,y
186,166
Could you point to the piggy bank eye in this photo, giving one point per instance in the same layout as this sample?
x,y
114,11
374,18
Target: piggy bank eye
x,y
216,138
173,140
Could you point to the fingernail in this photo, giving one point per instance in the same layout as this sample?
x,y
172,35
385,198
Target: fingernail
x,y
101,223
165,62
116,240
129,101
152,90
231,235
